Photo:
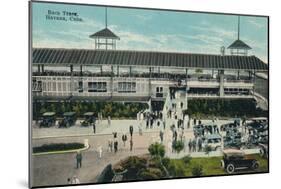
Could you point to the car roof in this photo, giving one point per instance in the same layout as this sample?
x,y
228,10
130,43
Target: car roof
x,y
88,113
49,114
69,113
233,152
214,136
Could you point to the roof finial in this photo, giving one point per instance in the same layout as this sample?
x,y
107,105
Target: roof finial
x,y
105,17
238,27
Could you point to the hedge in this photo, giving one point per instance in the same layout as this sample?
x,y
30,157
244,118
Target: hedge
x,y
57,147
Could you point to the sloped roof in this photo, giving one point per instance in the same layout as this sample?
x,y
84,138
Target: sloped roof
x,y
238,44
54,56
105,33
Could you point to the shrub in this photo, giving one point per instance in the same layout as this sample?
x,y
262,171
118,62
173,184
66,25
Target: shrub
x,y
150,173
186,159
224,108
166,161
57,147
178,146
133,165
157,149
197,170
176,169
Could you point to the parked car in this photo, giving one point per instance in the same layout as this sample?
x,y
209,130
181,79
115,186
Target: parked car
x,y
69,119
198,130
49,119
228,126
214,141
234,159
88,119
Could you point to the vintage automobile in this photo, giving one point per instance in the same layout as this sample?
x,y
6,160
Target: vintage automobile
x,y
49,119
198,130
69,119
214,141
228,126
260,124
234,159
88,119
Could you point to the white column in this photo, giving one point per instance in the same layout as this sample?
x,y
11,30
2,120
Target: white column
x,y
221,83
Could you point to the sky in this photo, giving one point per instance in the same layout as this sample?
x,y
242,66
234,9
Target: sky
x,y
149,30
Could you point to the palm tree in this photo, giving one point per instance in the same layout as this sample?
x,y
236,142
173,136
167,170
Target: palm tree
x,y
157,150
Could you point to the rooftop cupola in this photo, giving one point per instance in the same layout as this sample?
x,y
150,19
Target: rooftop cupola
x,y
105,38
238,47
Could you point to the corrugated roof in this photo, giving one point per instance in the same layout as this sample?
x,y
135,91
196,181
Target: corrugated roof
x,y
145,58
104,33
238,44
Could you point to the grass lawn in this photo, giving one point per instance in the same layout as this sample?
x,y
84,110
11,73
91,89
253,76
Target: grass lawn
x,y
212,165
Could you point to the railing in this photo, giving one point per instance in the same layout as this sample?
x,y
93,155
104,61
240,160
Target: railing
x,y
155,77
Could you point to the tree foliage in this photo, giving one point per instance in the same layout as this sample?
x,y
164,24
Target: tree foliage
x,y
157,150
178,146
112,109
186,159
223,108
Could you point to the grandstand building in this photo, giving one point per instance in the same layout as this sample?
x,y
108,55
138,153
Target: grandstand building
x,y
104,73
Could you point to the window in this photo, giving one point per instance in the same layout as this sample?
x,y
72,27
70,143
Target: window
x,y
159,92
127,87
54,86
59,86
97,87
37,86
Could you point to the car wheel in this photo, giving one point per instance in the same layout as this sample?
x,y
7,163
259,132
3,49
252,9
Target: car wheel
x,y
255,165
230,168
222,164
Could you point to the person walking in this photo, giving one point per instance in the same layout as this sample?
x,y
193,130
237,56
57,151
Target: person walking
x,y
114,135
189,146
199,144
110,145
100,151
94,128
78,159
131,129
124,139
175,135
115,146
161,134
194,145
147,122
